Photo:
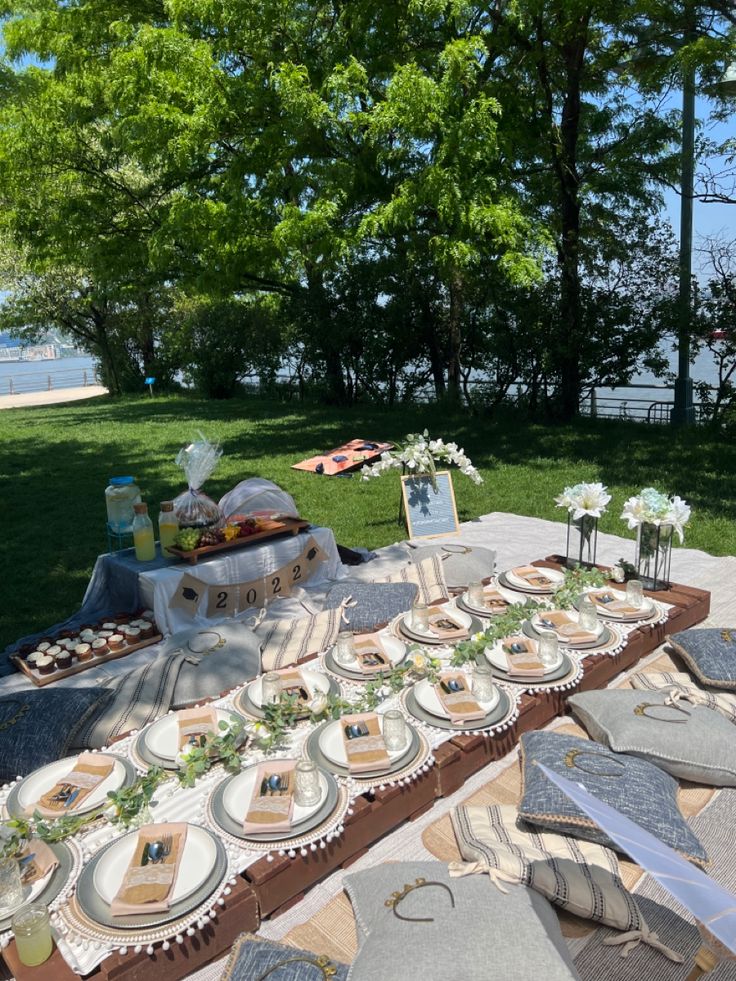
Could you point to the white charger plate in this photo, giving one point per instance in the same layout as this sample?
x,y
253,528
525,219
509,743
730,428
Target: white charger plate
x,y
429,700
316,680
162,736
464,619
239,792
332,746
39,782
554,575
196,865
497,657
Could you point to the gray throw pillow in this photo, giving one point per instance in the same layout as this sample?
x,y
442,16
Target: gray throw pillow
x,y
461,564
373,604
640,790
514,936
253,957
688,741
709,653
215,659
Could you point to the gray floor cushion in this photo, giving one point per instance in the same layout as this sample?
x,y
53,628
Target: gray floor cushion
x,y
709,653
253,957
488,934
372,605
215,659
688,741
637,788
461,564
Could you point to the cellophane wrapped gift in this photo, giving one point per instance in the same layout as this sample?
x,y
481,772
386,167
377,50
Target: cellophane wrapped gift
x,y
193,508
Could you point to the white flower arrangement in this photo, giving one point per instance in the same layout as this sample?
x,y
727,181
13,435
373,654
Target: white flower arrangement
x,y
652,507
419,455
584,499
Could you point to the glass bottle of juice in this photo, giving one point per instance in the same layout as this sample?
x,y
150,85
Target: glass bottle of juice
x,y
168,526
143,537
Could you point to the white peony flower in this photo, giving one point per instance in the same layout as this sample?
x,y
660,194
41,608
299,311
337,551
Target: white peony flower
x,y
678,516
318,704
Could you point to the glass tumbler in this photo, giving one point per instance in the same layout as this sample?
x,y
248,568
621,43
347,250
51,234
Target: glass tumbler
x,y
588,618
32,931
394,730
635,593
475,595
307,790
420,616
549,649
482,682
345,648
270,687
11,889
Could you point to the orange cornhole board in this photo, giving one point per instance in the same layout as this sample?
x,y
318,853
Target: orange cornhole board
x,y
356,454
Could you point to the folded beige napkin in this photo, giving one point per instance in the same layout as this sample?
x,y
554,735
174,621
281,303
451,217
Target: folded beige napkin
x,y
70,792
533,576
367,751
493,600
292,682
270,809
461,706
524,662
147,888
196,722
614,601
370,654
36,860
567,629
444,625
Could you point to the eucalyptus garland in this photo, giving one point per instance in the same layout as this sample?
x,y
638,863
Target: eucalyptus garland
x,y
576,582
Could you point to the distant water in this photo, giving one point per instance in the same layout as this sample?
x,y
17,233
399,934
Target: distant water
x,y
33,376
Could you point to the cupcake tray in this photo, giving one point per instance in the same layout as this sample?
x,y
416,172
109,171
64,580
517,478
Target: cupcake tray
x,y
284,526
41,680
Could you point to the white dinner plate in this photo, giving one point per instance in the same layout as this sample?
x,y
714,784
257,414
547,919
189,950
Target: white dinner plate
x,y
332,746
646,610
429,700
574,616
464,619
195,867
239,792
509,595
162,736
554,575
39,782
316,680
497,657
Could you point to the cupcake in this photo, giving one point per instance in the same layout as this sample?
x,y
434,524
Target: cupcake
x,y
132,635
45,664
33,657
83,652
146,629
25,649
148,615
99,647
87,636
44,645
115,642
63,660
54,650
110,625
64,634
106,633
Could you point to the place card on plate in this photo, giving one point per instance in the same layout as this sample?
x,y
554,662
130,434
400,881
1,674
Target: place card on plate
x,y
195,723
456,698
70,792
272,802
444,626
536,578
152,871
522,658
35,861
363,741
370,654
567,629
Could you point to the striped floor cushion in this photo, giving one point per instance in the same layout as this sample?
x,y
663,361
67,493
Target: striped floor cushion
x,y
683,686
579,876
291,641
428,575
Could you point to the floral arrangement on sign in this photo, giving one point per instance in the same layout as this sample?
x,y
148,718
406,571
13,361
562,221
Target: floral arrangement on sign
x,y
652,507
420,455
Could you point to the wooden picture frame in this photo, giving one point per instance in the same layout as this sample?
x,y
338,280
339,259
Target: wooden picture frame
x,y
417,492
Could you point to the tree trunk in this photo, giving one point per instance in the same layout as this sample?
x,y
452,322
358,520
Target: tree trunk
x,y
454,373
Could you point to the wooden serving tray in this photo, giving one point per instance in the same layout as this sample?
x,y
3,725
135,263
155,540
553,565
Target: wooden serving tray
x,y
284,526
40,680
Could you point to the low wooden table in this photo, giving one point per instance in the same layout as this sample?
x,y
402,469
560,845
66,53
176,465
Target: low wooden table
x,y
269,888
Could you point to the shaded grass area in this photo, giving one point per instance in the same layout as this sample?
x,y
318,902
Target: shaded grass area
x,y
56,461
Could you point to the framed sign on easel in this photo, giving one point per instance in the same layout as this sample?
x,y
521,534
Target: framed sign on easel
x,y
429,505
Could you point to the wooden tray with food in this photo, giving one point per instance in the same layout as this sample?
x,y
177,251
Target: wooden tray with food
x,y
193,544
73,651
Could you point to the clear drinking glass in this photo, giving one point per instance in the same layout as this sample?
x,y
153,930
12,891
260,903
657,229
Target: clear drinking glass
x,y
482,682
549,649
270,687
588,615
32,931
307,790
635,593
420,616
11,890
475,594
394,729
345,648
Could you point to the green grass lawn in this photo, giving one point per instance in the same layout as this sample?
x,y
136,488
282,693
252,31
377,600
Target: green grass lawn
x,y
56,462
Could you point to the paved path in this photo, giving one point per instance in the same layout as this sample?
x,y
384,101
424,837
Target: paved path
x,y
55,396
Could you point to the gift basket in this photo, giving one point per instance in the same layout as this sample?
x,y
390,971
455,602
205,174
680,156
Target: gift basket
x,y
192,507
